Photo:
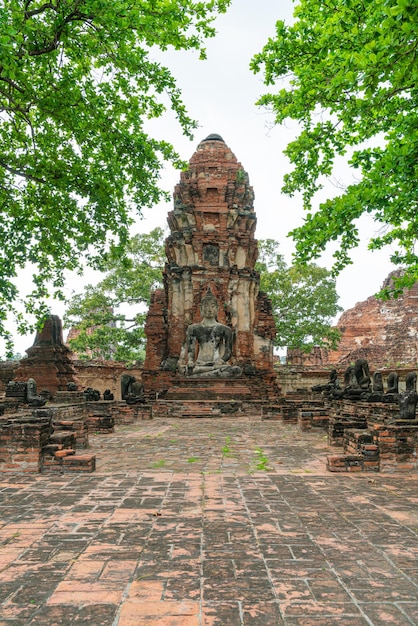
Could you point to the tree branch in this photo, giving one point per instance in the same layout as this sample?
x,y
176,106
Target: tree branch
x,y
11,83
72,17
44,7
16,172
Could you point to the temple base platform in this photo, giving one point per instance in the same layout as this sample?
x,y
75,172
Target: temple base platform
x,y
209,389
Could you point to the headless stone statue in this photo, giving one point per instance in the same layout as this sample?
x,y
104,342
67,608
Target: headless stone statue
x,y
392,390
351,387
377,388
333,383
392,383
132,391
33,398
408,400
357,381
361,369
377,382
91,395
213,343
349,382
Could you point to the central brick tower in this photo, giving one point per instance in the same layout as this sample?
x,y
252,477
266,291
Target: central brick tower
x,y
211,246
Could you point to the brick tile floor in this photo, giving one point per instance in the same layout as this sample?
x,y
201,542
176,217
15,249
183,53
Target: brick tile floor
x,y
209,522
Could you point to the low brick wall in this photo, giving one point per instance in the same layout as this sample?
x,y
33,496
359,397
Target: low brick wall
x,y
205,408
42,441
398,446
21,443
372,436
77,426
129,413
102,375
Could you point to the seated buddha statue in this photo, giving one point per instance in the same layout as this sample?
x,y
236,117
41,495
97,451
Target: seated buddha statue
x,y
209,344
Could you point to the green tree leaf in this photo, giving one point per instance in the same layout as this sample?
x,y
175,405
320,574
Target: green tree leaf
x,y
304,300
105,329
348,73
77,83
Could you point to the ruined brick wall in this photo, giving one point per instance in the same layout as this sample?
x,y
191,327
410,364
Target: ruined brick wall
x,y
51,364
102,375
156,330
99,375
296,356
297,378
384,332
7,373
21,443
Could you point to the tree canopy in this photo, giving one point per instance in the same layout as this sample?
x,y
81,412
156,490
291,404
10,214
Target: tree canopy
x,y
304,300
109,317
77,85
347,71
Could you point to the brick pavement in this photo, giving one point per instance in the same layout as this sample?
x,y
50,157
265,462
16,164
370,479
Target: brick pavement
x,y
204,523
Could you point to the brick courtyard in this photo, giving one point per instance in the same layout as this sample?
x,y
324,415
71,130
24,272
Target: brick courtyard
x,y
209,522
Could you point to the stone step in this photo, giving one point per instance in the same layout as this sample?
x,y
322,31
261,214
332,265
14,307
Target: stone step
x,y
227,408
352,463
51,448
68,461
66,438
209,389
79,463
102,424
52,461
344,463
62,454
76,425
188,381
215,392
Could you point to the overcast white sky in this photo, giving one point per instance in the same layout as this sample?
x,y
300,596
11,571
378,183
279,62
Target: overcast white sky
x,y
221,93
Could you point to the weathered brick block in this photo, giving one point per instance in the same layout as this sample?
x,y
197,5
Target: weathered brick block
x,y
79,463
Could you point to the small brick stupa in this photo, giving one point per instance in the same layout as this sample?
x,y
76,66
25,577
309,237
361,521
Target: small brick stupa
x,y
49,360
211,248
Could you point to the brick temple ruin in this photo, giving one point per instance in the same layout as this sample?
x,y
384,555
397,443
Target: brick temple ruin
x,y
211,247
50,431
49,359
210,334
384,332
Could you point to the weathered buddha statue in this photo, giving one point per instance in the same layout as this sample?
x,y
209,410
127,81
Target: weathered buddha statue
x,y
132,391
377,382
393,383
408,400
377,388
357,382
333,383
33,398
209,344
392,390
362,373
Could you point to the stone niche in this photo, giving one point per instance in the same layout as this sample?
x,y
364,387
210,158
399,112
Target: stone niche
x,y
211,246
